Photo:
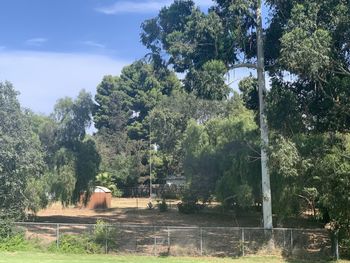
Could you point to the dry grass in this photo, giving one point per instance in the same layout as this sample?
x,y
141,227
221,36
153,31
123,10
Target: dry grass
x,y
134,211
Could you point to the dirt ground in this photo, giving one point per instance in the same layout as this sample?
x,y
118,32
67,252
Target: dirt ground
x,y
134,211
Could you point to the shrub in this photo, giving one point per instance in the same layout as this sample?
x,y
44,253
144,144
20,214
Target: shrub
x,y
6,229
105,233
14,243
162,206
76,244
189,207
93,243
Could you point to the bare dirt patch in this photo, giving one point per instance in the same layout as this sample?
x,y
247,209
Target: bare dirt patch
x,y
134,211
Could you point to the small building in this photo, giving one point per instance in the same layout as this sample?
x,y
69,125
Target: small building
x,y
101,198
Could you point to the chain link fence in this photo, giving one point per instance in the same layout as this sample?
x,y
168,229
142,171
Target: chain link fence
x,y
191,241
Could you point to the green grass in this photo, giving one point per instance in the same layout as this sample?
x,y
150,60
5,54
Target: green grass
x,y
32,257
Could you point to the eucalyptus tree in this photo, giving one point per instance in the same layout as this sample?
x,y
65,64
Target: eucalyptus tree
x,y
203,45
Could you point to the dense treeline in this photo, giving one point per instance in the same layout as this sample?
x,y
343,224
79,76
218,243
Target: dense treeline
x,y
197,126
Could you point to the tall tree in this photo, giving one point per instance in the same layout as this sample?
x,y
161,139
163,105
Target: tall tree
x,y
221,160
71,158
228,30
20,155
122,117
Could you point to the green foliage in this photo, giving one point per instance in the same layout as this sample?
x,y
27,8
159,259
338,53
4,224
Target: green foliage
x,y
106,180
249,92
105,233
209,81
219,158
15,243
62,176
305,47
13,239
92,243
333,171
137,90
73,117
122,115
76,244
20,155
86,167
71,158
37,193
162,206
189,207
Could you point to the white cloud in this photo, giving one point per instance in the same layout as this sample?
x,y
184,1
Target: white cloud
x,y
36,42
44,77
93,44
142,7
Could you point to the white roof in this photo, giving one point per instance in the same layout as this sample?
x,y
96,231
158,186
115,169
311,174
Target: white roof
x,y
101,189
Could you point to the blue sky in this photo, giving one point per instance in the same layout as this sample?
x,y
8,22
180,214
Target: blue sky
x,y
51,49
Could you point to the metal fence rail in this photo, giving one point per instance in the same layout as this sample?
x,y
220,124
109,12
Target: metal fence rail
x,y
191,241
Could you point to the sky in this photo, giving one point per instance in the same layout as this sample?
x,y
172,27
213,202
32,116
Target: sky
x,y
52,49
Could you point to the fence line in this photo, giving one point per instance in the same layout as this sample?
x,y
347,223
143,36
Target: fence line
x,y
176,227
189,240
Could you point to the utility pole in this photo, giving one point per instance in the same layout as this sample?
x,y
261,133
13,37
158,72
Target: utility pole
x,y
260,67
265,176
150,161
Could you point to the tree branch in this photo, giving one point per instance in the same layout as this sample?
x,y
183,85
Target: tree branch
x,y
244,65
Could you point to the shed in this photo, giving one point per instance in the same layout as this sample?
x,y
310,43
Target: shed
x,y
101,198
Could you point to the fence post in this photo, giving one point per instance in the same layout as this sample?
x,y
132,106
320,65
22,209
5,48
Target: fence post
x,y
168,239
136,240
243,253
155,241
291,241
106,239
58,236
201,241
335,244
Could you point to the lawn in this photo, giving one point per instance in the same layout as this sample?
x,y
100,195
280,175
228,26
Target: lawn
x,y
32,257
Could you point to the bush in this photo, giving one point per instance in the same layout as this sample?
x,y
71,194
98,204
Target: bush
x,y
162,206
105,233
6,229
189,207
93,243
76,244
16,241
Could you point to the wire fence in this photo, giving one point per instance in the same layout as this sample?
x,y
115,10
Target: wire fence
x,y
189,241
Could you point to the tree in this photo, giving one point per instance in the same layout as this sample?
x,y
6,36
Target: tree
x,y
71,159
127,100
122,117
309,40
20,156
221,160
242,23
